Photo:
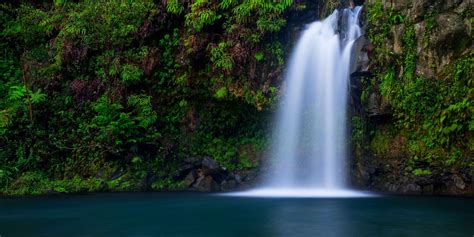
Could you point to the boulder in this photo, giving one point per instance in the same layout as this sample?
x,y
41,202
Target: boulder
x,y
183,170
419,9
210,166
391,187
206,184
190,178
237,178
450,30
397,32
228,185
427,189
424,180
459,182
411,189
195,161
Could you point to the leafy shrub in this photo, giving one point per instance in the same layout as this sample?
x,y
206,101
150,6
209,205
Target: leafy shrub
x,y
131,73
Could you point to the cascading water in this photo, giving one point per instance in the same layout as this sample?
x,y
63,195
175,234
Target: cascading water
x,y
309,142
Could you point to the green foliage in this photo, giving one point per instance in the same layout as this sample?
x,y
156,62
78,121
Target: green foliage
x,y
36,183
167,184
221,93
121,90
358,131
409,60
430,24
433,114
174,6
104,24
421,172
380,143
220,58
277,51
259,56
131,73
232,153
387,81
228,53
268,12
381,21
169,42
200,15
119,131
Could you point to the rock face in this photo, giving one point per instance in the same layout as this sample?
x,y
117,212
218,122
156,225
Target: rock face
x,y
443,34
204,174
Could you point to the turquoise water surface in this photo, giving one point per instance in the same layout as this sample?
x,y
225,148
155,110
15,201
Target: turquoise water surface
x,y
190,214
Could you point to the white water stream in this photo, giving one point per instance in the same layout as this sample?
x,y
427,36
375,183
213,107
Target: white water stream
x,y
309,147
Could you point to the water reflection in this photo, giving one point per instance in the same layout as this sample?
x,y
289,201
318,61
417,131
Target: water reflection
x,y
168,214
305,218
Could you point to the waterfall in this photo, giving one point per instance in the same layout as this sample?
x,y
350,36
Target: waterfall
x,y
308,152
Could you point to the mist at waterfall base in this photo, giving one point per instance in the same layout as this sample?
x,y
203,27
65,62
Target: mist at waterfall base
x,y
308,151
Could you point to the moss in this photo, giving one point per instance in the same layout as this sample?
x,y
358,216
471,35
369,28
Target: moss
x,y
358,131
418,172
430,24
381,143
431,113
234,154
167,184
37,183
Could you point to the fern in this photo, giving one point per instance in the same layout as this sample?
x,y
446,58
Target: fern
x,y
131,73
37,97
145,116
220,58
226,4
5,118
16,93
173,6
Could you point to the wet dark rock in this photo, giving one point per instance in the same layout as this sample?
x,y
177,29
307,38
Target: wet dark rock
x,y
206,184
192,160
397,31
449,31
419,9
459,182
237,178
248,175
442,35
373,107
183,170
423,180
100,174
51,192
427,189
190,178
117,174
359,2
411,189
204,174
229,185
392,187
210,166
359,74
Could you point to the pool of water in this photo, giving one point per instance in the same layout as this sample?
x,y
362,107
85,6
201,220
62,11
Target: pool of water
x,y
189,214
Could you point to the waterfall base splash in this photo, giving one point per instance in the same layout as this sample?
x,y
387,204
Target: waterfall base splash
x,y
300,193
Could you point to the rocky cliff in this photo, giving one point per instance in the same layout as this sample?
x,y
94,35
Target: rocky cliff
x,y
413,131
